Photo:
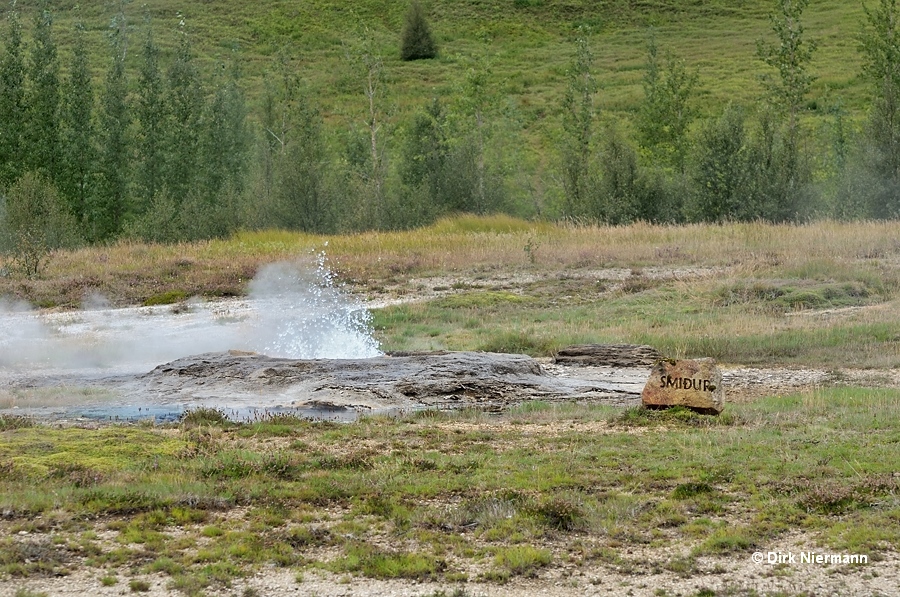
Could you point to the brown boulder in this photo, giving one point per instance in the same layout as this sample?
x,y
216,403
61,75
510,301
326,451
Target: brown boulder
x,y
695,384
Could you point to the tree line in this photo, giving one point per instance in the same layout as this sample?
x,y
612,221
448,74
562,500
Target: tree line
x,y
748,162
166,152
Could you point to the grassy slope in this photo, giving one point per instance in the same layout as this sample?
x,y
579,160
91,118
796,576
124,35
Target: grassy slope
x,y
527,42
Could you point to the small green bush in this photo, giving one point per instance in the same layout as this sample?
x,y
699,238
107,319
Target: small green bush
x,y
34,222
417,42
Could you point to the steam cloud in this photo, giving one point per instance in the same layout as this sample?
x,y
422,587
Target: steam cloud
x,y
295,310
303,315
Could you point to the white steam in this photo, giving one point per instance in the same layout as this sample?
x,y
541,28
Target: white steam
x,y
303,315
295,310
21,334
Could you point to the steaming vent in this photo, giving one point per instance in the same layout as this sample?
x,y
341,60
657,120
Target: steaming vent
x,y
295,310
302,314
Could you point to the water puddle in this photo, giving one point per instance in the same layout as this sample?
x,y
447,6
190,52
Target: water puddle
x,y
171,414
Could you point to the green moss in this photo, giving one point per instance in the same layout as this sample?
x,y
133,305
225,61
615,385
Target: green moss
x,y
43,451
166,298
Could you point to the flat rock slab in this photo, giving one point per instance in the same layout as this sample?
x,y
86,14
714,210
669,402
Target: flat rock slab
x,y
608,355
695,384
412,380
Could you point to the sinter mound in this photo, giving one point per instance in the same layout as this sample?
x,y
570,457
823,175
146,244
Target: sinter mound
x,y
410,380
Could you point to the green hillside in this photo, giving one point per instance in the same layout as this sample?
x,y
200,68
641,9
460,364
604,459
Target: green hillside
x,y
497,122
527,45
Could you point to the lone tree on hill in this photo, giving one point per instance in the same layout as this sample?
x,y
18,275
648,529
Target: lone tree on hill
x,y
417,42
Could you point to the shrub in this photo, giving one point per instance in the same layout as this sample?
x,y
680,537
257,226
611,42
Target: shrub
x,y
417,42
34,223
720,168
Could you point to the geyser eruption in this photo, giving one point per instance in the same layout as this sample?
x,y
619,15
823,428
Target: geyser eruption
x,y
302,314
295,310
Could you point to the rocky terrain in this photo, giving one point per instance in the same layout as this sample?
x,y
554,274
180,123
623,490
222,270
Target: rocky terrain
x,y
246,382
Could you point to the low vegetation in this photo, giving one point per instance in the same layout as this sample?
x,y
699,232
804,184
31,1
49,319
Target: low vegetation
x,y
822,294
468,497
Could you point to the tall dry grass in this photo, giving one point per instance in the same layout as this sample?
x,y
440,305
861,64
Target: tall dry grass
x,y
130,273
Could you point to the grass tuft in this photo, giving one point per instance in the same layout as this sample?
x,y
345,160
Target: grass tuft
x,y
728,540
166,298
677,415
690,490
23,592
521,343
376,563
109,499
139,586
522,560
32,558
205,417
10,422
828,497
564,512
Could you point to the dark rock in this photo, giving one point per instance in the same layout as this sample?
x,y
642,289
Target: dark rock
x,y
609,355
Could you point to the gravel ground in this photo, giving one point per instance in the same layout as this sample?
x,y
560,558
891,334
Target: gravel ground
x,y
733,575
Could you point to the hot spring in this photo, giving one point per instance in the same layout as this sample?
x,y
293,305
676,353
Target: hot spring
x,y
293,310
